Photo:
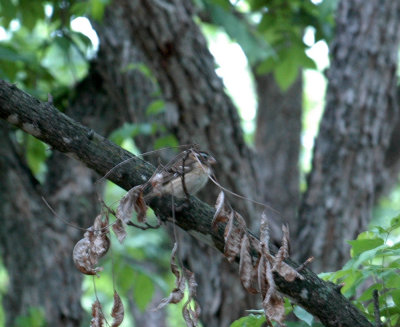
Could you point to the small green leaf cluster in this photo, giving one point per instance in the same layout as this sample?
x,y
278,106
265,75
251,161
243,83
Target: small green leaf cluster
x,y
374,266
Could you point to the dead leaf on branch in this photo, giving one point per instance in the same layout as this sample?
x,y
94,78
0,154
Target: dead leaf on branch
x,y
117,311
190,316
119,230
247,271
177,293
97,315
220,215
274,308
132,201
92,247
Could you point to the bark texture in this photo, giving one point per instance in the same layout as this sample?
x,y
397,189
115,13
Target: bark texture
x,y
36,248
359,117
277,143
320,298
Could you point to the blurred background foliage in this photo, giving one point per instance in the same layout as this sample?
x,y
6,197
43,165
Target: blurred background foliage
x,y
45,48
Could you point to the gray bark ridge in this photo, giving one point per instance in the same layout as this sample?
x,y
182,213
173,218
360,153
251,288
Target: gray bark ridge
x,y
46,123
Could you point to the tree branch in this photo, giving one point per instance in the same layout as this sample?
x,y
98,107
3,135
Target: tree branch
x,y
46,123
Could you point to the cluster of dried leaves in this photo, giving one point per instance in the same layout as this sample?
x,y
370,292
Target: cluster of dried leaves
x,y
86,254
95,244
181,279
256,272
117,313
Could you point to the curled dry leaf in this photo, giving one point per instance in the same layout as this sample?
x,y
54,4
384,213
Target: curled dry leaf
x,y
94,245
264,229
287,272
133,200
117,311
232,235
283,252
220,214
97,235
84,259
97,315
246,270
190,316
178,292
274,309
119,230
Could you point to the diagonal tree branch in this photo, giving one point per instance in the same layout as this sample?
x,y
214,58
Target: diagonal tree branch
x,y
45,122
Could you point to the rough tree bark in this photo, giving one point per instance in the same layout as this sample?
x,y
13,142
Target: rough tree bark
x,y
355,130
34,245
45,122
277,142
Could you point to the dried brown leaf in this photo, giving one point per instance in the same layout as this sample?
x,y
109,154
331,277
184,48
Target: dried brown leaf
x,y
84,259
174,266
283,252
220,214
240,221
262,278
97,315
190,316
274,309
232,240
133,200
117,311
264,229
287,272
246,269
178,292
119,230
140,206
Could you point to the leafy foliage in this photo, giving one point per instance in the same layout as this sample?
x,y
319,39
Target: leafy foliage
x,y
374,266
271,32
250,321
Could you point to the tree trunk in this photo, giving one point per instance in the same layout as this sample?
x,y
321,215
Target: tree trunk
x,y
355,130
278,145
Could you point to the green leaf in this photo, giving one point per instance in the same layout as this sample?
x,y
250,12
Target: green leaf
x,y
166,141
367,294
8,53
255,48
267,65
395,222
303,315
36,154
31,12
362,245
396,297
366,256
286,73
97,8
8,12
129,130
249,321
155,107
